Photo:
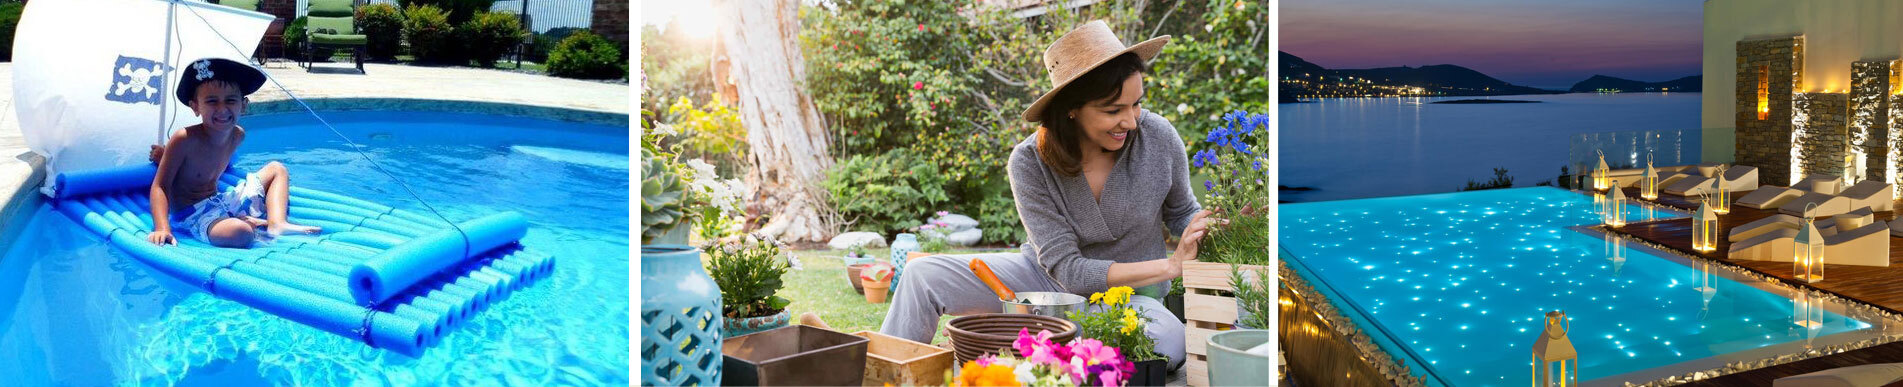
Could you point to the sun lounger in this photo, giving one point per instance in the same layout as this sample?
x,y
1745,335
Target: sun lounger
x,y
1868,245
1687,185
1874,194
1769,197
1824,184
1861,375
1761,226
1774,246
1827,205
1740,178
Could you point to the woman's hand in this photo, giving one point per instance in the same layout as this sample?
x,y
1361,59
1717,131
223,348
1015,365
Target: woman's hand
x,y
1187,247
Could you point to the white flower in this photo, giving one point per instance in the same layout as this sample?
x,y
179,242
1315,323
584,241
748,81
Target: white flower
x,y
1183,108
1209,27
665,130
1023,372
793,261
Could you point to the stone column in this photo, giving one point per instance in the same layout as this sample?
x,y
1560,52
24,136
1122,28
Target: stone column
x,y
1870,133
1769,74
1820,132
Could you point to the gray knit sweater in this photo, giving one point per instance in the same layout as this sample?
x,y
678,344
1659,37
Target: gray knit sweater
x,y
1076,237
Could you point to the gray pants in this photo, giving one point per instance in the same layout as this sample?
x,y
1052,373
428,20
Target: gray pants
x,y
944,284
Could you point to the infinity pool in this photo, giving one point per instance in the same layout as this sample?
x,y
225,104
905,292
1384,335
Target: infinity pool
x,y
1460,282
75,311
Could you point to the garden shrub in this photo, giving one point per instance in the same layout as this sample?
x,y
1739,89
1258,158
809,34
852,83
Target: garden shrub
x,y
383,25
489,35
458,11
428,30
545,41
887,193
9,18
587,56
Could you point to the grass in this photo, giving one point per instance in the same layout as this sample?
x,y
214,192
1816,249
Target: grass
x,y
819,286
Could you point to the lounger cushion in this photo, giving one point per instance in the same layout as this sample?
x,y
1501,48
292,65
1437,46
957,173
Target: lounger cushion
x,y
1825,184
1865,246
1769,197
1759,227
1774,246
1827,205
1852,376
1688,186
1872,194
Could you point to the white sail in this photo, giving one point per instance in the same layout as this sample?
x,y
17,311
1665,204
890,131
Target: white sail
x,y
93,79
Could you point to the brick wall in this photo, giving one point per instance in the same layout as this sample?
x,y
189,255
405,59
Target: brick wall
x,y
285,9
1775,67
611,21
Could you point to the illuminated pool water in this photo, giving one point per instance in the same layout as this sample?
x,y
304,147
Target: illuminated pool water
x,y
1462,281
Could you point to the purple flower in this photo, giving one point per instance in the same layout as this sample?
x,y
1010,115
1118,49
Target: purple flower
x,y
1209,185
1258,165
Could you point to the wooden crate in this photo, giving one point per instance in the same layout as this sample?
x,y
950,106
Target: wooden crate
x,y
1209,303
901,362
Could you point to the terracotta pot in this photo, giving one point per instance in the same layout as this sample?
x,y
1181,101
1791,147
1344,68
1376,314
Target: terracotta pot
x,y
852,276
875,291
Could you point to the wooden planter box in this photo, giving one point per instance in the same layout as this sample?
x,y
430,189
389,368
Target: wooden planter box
x,y
794,355
901,362
1209,303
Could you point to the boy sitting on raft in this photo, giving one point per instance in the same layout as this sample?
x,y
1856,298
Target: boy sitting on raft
x,y
185,190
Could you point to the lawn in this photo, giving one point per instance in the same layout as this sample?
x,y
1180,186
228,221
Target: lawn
x,y
819,286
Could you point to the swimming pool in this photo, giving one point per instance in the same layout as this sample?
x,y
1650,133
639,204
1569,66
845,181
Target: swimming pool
x,y
74,311
1458,283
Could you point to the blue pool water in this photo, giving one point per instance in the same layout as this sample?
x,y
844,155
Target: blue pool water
x,y
74,311
1463,280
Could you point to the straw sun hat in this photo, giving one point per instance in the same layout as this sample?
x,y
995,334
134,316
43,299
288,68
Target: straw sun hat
x,y
1081,50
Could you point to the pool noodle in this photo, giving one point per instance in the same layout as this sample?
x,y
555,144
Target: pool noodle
x,y
404,265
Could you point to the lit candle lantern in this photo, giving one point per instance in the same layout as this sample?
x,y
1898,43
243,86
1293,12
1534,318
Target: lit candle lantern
x,y
1805,312
1720,200
1808,264
1615,209
1602,176
1555,362
1649,183
1705,228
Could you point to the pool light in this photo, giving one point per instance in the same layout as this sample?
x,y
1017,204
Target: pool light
x,y
1554,350
1705,227
1808,264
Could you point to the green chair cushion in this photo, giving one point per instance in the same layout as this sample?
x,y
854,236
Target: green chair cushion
x,y
331,8
248,5
340,39
335,25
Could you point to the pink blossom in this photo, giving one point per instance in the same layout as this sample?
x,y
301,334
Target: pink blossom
x,y
944,213
921,28
920,85
926,227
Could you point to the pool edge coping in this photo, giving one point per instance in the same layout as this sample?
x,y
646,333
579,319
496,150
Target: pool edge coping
x,y
519,109
13,205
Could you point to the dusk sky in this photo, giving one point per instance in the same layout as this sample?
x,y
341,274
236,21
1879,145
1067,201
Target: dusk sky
x,y
1546,44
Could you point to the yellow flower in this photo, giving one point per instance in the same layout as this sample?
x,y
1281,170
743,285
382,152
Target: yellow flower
x,y
1096,298
1131,323
1118,295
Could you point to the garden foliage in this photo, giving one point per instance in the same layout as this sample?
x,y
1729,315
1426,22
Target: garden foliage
x,y
382,25
587,56
748,272
429,33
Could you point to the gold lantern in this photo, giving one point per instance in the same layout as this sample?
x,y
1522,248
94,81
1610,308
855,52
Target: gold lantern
x,y
1554,350
1808,264
1705,228
1615,209
1649,183
1721,200
1602,176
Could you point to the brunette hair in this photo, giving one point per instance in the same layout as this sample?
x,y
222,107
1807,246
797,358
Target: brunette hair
x,y
1059,139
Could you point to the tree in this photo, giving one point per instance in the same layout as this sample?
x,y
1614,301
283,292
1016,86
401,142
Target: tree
x,y
787,138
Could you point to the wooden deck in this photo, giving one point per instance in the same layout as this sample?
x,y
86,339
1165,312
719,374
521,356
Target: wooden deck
x,y
1878,286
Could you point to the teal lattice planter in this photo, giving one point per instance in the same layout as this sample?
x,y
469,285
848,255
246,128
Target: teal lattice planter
x,y
680,319
901,245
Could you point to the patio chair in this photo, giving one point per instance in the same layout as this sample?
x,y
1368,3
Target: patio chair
x,y
1876,195
1827,205
1866,245
273,42
333,24
1824,184
1769,197
1773,246
1861,375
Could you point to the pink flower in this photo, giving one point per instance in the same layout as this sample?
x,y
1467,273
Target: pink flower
x,y
921,28
926,227
944,213
920,85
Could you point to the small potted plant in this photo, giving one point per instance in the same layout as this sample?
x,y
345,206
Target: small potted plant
x,y
748,272
1119,325
856,259
877,279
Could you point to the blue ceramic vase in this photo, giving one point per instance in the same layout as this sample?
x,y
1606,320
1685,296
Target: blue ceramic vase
x,y
901,244
680,319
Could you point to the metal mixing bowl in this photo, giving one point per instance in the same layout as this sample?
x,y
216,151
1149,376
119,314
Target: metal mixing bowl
x,y
1054,304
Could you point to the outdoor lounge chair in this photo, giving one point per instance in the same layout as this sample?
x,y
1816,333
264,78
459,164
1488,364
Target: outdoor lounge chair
x,y
1740,178
1824,184
1827,205
333,24
1866,245
1852,376
1774,246
1769,197
1759,227
1876,195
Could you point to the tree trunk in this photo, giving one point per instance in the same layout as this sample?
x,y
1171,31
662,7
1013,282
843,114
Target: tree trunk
x,y
784,130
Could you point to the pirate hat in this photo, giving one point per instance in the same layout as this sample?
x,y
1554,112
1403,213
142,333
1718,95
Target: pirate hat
x,y
247,78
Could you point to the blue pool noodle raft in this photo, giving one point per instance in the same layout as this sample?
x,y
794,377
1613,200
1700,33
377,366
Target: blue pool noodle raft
x,y
390,278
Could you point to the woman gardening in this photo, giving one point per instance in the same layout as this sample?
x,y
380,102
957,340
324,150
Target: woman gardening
x,y
1097,186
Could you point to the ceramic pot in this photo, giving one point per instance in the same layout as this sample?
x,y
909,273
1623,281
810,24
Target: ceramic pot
x,y
749,325
680,318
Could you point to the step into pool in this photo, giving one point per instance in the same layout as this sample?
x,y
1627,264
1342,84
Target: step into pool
x,y
1456,286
